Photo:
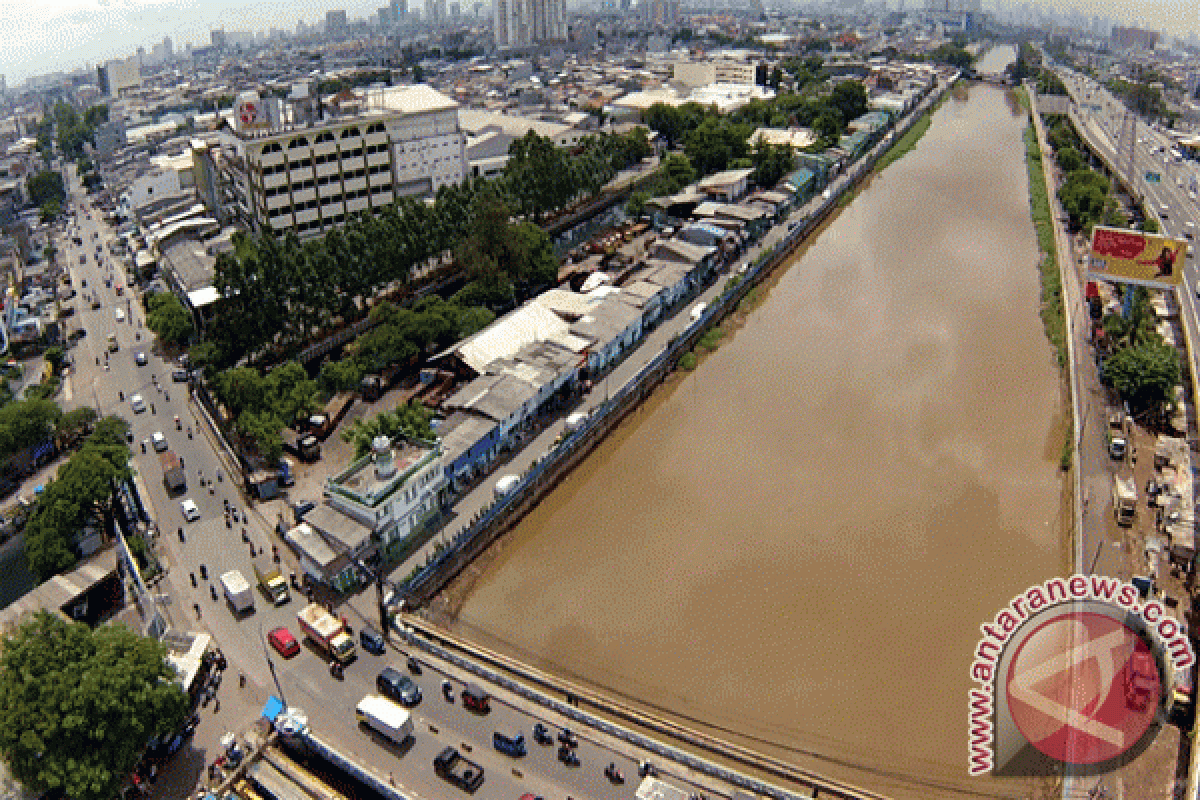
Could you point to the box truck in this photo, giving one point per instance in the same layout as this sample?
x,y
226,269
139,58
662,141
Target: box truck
x,y
237,591
327,632
385,717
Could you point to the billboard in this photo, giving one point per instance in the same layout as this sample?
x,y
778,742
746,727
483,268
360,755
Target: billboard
x,y
1131,256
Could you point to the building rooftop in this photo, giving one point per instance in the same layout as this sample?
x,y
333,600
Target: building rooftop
x,y
332,523
372,478
193,267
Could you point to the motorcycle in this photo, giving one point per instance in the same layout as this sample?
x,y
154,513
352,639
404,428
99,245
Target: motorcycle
x,y
192,575
203,570
212,590
448,691
197,607
646,768
568,757
568,739
228,524
413,666
541,735
121,396
143,448
151,405
337,670
181,536
295,583
189,433
178,424
167,396
613,774
218,474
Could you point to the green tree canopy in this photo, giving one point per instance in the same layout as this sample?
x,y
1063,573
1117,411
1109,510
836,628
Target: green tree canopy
x,y
82,490
77,705
411,420
44,187
168,318
1145,375
1084,196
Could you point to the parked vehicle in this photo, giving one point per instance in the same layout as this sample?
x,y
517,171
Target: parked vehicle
x,y
304,446
1140,679
327,632
237,591
1118,435
541,735
452,767
1124,499
385,717
272,584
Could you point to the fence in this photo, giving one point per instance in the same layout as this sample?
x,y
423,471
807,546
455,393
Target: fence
x,y
543,475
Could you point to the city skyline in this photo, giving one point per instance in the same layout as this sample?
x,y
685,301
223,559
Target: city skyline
x,y
68,35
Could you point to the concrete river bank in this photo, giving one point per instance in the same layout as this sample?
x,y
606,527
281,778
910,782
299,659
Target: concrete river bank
x,y
796,543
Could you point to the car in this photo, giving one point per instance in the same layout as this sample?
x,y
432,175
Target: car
x,y
159,441
372,641
190,512
137,404
179,375
140,359
284,643
395,685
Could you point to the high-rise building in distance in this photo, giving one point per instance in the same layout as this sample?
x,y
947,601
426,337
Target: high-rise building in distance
x,y
335,22
1134,38
118,74
521,23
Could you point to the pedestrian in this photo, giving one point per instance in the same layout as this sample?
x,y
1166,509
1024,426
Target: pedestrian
x,y
391,779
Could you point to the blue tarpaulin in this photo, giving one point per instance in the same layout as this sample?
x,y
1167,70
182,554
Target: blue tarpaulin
x,y
273,708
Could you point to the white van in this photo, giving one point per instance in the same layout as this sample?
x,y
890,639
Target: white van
x,y
698,311
120,315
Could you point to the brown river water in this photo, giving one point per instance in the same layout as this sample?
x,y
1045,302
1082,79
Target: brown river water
x,y
796,543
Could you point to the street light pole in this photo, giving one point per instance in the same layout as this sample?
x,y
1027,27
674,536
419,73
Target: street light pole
x,y
271,666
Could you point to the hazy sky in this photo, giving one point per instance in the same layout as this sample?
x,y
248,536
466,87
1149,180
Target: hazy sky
x,y
42,36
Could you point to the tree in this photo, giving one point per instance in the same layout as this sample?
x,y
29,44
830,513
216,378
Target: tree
x,y
1069,159
45,186
636,204
77,705
50,210
828,124
850,99
1084,196
82,490
339,376
1145,375
411,420
168,318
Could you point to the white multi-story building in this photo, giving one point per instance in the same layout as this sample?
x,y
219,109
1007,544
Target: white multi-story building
x,y
297,168
693,74
521,23
119,74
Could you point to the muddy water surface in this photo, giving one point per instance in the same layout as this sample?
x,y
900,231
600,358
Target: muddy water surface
x,y
798,541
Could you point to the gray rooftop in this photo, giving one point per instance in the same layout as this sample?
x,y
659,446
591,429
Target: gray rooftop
x,y
191,263
350,532
461,431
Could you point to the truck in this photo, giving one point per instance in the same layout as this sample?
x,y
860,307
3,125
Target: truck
x,y
172,470
323,424
272,584
1124,497
385,717
237,591
327,632
452,767
1118,436
304,446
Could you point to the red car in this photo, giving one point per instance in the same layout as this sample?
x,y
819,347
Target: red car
x,y
283,641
